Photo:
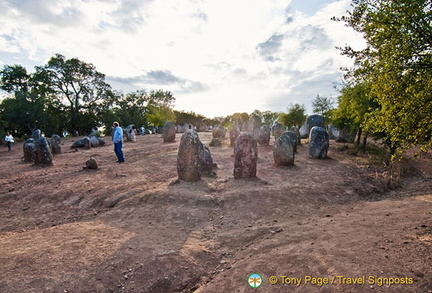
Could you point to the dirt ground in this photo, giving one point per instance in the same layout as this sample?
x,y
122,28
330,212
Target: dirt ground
x,y
132,228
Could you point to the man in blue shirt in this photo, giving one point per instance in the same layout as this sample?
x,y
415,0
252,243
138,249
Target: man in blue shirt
x,y
118,141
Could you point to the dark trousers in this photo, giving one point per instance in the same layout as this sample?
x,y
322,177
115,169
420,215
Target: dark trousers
x,y
118,151
9,145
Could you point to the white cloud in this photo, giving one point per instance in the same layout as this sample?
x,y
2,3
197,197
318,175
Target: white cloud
x,y
217,57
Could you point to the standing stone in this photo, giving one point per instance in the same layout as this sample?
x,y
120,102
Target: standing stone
x,y
169,132
255,125
56,144
234,133
318,143
36,134
190,157
29,149
304,131
277,130
283,151
294,139
219,132
206,159
130,132
297,132
264,135
43,151
315,120
245,156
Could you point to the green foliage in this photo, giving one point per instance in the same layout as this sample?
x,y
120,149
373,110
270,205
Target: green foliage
x,y
295,116
182,117
76,85
26,112
396,63
160,104
323,106
14,78
267,117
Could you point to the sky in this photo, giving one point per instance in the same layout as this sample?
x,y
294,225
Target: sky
x,y
217,57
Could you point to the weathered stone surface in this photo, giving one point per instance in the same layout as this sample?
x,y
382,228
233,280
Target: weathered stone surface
x,y
207,163
130,132
315,120
190,157
304,131
36,134
318,143
83,142
169,132
245,156
233,135
56,144
216,142
277,130
29,148
96,141
219,132
264,135
91,164
201,127
293,137
255,125
43,151
297,132
284,149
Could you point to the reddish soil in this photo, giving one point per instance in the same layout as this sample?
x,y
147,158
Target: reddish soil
x,y
133,228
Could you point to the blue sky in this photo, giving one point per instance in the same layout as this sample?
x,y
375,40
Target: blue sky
x,y
216,57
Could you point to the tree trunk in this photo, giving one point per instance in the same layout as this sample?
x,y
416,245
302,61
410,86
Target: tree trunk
x,y
359,133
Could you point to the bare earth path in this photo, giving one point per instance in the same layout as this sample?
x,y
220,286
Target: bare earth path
x,y
131,228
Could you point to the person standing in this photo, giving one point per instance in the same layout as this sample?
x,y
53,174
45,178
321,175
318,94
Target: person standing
x,y
118,141
9,140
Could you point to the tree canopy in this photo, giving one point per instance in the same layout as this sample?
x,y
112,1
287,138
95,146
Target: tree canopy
x,y
295,116
396,63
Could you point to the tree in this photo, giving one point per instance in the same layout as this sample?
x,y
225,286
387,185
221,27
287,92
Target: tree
x,y
295,116
322,106
397,63
354,104
14,78
75,84
160,105
26,112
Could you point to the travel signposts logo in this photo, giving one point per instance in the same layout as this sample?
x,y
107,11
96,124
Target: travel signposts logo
x,y
254,280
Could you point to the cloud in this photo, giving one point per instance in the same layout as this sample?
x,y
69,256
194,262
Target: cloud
x,y
215,56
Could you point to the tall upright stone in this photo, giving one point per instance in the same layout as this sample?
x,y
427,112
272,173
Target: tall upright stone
x,y
245,156
168,132
315,120
293,137
233,134
283,150
277,130
264,135
56,144
190,158
29,148
43,151
219,132
318,143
